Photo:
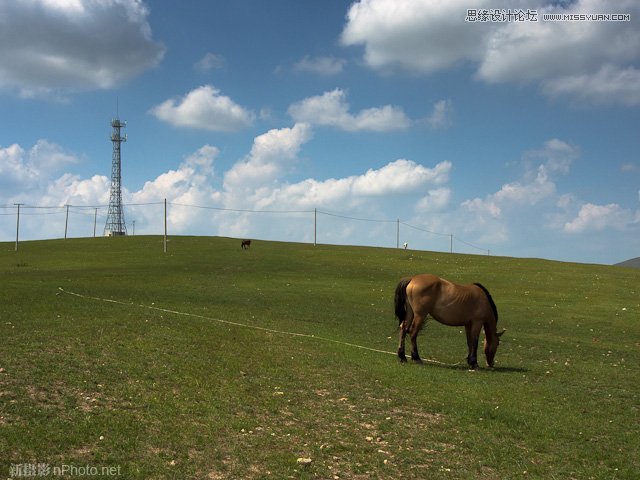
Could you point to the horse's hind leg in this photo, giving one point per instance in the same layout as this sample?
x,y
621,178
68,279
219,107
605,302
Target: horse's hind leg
x,y
405,326
473,334
416,326
403,333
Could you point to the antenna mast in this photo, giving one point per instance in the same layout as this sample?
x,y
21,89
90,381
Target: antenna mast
x,y
115,225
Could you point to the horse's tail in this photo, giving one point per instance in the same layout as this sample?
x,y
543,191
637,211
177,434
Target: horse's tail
x,y
401,299
491,302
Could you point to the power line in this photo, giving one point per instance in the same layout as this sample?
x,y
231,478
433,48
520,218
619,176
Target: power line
x,y
40,210
373,220
425,230
240,210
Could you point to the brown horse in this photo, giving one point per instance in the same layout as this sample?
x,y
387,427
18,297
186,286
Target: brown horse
x,y
246,244
450,304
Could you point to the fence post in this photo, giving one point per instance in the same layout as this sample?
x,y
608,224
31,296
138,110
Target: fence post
x,y
165,225
18,224
66,223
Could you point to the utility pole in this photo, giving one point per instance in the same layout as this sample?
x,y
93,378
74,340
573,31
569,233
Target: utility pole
x,y
165,225
398,234
315,226
18,224
95,219
66,223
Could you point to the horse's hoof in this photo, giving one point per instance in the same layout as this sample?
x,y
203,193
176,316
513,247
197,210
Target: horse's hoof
x,y
402,358
417,361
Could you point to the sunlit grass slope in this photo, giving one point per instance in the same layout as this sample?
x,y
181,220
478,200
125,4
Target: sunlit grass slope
x,y
162,395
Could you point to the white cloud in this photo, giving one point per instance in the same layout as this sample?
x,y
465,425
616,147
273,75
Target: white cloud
x,y
272,154
189,183
587,61
556,156
416,35
609,85
31,176
320,65
51,47
210,61
435,200
13,166
441,116
332,109
537,184
204,108
261,181
400,177
602,217
71,189
27,169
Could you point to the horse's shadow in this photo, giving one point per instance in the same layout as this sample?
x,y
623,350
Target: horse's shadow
x,y
464,366
510,369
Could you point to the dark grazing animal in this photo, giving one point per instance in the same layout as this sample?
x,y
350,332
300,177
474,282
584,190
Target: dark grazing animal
x,y
470,306
245,244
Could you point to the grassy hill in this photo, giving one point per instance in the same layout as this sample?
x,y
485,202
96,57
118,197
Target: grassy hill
x,y
158,394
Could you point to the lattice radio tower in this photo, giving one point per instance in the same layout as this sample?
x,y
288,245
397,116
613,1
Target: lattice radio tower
x,y
115,225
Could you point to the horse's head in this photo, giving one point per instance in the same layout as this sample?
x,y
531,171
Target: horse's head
x,y
491,346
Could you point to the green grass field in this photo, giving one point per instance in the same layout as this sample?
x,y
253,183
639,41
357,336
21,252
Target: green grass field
x,y
161,395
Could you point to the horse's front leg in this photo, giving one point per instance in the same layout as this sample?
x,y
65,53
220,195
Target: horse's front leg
x,y
403,333
473,334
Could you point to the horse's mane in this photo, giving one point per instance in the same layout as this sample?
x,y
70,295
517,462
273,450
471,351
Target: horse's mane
x,y
491,302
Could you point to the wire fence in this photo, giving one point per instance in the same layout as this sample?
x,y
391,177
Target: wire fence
x,y
34,222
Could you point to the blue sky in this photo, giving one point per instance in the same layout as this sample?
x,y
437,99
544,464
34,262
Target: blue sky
x,y
518,137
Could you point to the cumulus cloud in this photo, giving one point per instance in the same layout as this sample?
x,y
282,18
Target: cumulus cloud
x,y
210,61
204,108
602,217
326,66
441,116
400,177
70,189
416,35
435,200
272,154
537,184
332,109
586,61
609,85
50,48
189,183
258,181
27,169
